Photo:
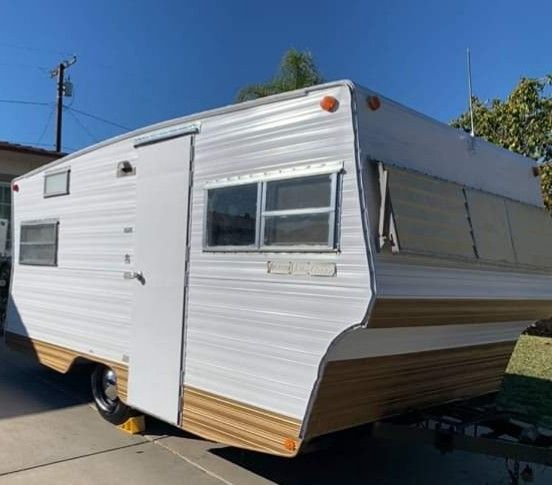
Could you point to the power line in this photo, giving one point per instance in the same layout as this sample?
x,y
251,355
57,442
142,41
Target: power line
x,y
84,128
29,66
45,126
45,145
19,101
98,118
31,49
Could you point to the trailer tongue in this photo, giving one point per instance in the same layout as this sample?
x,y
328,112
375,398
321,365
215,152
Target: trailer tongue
x,y
514,424
476,425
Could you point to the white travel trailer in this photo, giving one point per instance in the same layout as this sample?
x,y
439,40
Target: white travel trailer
x,y
277,270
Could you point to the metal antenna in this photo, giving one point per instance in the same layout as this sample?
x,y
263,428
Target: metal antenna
x,y
472,132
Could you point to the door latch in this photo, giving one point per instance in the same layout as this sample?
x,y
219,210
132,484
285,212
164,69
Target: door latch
x,y
134,275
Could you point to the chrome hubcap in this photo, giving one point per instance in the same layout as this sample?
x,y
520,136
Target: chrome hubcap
x,y
104,388
109,384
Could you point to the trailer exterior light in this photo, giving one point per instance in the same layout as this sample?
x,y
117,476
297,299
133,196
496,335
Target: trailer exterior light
x,y
15,188
374,103
290,444
329,103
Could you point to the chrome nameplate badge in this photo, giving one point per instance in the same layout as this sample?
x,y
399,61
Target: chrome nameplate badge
x,y
302,268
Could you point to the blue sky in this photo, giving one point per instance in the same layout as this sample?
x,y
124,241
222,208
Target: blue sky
x,y
143,61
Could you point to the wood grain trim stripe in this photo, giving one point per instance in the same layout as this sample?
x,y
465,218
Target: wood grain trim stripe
x,y
61,359
235,423
399,312
358,391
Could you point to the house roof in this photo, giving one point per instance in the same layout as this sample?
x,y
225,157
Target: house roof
x,y
16,147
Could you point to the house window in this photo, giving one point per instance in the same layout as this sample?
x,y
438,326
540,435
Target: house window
x,y
56,183
293,214
39,243
5,212
232,216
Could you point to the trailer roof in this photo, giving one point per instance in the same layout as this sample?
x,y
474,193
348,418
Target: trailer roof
x,y
193,117
264,101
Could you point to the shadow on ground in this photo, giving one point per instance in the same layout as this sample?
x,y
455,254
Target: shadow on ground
x,y
26,387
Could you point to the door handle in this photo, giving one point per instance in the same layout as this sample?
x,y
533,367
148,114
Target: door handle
x,y
135,275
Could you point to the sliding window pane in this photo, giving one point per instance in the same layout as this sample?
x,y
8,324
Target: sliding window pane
x,y
232,215
299,193
304,229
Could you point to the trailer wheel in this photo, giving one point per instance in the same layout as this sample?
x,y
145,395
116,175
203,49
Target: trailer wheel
x,y
104,390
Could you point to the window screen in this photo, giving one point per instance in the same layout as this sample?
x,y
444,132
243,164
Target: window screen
x,y
38,243
232,215
56,184
299,211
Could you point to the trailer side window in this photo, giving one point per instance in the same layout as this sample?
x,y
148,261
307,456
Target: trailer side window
x,y
300,212
38,243
273,213
232,216
56,183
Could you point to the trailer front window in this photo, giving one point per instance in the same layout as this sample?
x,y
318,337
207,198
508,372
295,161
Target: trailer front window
x,y
56,183
38,243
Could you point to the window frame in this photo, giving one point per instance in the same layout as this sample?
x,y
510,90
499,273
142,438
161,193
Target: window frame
x,y
42,222
8,186
66,191
332,210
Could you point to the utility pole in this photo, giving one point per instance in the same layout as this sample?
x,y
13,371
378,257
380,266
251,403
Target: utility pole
x,y
59,72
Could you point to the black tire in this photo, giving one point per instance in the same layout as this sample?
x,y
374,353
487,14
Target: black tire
x,y
108,404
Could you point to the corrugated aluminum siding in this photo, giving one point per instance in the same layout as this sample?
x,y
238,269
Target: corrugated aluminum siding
x,y
399,136
258,337
84,303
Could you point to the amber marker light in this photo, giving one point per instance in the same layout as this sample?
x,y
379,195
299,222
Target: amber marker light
x,y
290,445
329,103
374,103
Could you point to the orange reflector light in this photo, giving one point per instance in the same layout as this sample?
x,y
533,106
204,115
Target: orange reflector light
x,y
374,103
290,445
329,103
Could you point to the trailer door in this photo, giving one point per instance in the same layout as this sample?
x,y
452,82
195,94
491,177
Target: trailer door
x,y
163,181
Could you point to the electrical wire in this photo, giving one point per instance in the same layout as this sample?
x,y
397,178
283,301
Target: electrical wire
x,y
48,146
98,118
31,49
83,127
19,101
45,126
29,66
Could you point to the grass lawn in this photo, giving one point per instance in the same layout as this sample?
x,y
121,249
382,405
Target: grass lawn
x,y
527,386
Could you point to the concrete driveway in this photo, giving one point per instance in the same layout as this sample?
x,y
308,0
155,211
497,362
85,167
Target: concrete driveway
x,y
50,434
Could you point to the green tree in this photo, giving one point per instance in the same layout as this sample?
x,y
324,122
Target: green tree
x,y
521,123
297,70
